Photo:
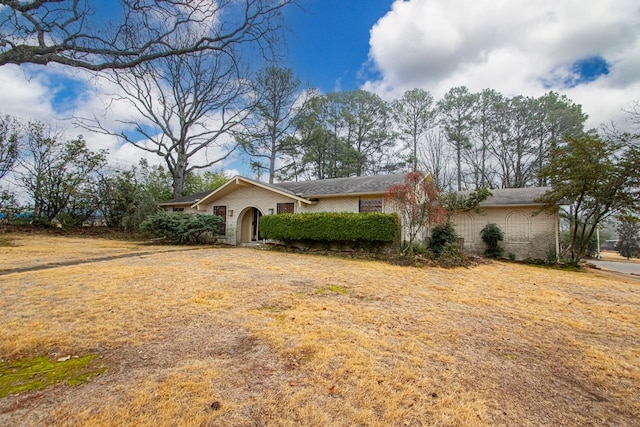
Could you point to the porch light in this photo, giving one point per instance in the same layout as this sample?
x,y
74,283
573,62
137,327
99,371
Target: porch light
x,y
270,211
230,212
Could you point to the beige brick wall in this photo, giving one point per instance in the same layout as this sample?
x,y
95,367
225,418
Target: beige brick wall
x,y
240,202
526,235
331,204
340,204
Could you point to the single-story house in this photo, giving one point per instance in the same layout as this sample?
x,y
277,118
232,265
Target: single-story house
x,y
242,201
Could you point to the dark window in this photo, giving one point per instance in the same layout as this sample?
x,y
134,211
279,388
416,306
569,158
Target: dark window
x,y
285,208
178,209
370,205
221,211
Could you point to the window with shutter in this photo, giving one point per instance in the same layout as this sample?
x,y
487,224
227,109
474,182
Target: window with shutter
x,y
285,208
221,211
370,205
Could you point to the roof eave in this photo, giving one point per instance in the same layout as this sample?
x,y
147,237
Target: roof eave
x,y
326,196
241,181
188,203
515,205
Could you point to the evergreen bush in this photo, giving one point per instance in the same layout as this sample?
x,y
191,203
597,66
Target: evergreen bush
x,y
441,237
178,227
492,236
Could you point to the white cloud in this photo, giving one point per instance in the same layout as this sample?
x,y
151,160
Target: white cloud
x,y
24,95
512,46
230,173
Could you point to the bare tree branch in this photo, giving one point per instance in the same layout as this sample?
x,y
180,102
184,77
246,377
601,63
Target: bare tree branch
x,y
71,32
185,107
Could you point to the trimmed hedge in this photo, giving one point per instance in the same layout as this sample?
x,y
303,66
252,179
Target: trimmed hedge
x,y
331,227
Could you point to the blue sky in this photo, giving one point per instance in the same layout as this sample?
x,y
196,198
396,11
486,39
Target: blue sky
x,y
588,50
328,42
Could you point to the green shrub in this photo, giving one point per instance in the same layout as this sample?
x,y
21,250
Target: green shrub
x,y
415,248
178,227
328,227
492,236
441,237
451,256
551,257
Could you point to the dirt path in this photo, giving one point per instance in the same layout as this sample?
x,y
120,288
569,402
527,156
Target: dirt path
x,y
59,264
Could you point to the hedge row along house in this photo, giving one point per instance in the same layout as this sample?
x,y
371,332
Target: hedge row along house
x,y
242,201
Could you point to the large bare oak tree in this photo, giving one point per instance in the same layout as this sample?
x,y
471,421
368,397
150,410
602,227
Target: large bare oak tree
x,y
186,110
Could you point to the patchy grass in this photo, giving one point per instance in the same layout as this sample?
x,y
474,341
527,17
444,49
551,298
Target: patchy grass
x,y
332,288
6,241
38,373
229,336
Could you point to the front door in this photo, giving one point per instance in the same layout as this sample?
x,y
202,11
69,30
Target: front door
x,y
255,225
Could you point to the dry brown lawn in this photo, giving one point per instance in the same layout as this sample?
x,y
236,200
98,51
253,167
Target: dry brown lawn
x,y
287,340
615,256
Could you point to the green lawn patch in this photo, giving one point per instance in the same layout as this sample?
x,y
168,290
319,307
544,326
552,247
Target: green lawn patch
x,y
332,288
38,373
6,242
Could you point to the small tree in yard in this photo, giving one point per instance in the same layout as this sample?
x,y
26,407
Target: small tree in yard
x,y
417,202
492,236
59,177
628,236
453,201
597,178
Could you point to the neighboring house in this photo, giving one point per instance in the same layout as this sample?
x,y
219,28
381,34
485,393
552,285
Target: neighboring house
x,y
242,201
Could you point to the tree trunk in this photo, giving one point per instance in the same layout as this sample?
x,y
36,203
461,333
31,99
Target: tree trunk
x,y
459,164
179,175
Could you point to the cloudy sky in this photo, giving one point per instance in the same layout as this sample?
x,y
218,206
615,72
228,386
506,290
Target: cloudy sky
x,y
588,50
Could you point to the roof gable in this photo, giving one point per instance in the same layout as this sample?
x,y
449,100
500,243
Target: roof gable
x,y
239,182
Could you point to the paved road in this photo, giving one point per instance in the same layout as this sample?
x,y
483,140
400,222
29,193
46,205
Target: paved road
x,y
620,267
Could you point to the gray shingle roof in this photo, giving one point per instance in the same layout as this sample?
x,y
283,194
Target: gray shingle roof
x,y
186,200
513,196
336,186
373,185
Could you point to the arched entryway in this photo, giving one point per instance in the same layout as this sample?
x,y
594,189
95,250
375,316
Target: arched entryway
x,y
249,225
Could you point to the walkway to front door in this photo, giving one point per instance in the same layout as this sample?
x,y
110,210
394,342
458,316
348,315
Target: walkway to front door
x,y
250,225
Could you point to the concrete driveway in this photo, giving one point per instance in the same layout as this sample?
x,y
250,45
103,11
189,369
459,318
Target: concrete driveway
x,y
620,267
